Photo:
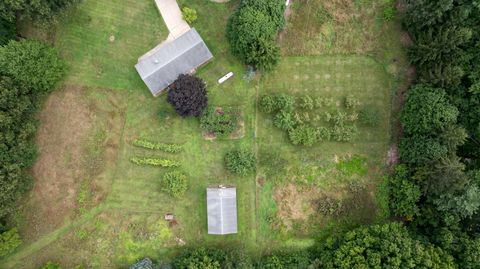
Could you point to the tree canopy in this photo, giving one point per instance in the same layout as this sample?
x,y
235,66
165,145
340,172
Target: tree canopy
x,y
188,95
32,63
427,111
381,246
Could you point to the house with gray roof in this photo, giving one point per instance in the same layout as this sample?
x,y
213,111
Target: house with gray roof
x,y
222,210
160,67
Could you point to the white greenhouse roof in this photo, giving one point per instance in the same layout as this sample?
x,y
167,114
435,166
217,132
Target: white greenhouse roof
x,y
222,210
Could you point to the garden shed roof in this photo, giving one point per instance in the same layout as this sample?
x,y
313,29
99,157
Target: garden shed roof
x,y
160,67
222,210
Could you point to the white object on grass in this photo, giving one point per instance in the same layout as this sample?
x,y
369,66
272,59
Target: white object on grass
x,y
287,2
224,78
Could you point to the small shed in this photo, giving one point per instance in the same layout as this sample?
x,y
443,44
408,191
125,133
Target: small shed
x,y
161,66
222,210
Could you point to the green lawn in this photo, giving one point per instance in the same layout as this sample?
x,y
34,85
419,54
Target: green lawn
x,y
128,223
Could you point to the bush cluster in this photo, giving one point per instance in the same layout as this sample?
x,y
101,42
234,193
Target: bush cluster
x,y
154,161
171,148
175,183
220,122
276,103
189,14
9,241
289,117
240,161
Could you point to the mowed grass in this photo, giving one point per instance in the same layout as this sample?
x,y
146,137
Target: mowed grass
x,y
324,169
102,40
127,224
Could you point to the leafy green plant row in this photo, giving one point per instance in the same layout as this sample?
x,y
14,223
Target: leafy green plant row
x,y
171,148
154,161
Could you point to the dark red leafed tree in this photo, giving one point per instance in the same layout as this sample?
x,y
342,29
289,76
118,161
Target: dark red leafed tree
x,y
188,94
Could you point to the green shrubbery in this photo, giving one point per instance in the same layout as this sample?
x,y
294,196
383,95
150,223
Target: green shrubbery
x,y
175,183
221,122
154,162
171,148
303,135
301,122
189,14
9,241
240,161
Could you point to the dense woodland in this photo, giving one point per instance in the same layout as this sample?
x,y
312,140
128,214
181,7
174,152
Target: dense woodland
x,y
435,189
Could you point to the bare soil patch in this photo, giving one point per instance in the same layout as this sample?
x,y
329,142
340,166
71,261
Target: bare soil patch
x,y
65,123
294,203
73,149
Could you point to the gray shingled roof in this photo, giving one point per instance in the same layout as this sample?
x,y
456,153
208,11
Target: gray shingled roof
x,y
162,66
222,210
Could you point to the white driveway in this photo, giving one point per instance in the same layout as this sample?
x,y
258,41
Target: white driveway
x,y
173,18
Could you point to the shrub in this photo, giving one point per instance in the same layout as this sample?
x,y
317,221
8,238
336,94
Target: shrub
x,y
240,161
389,12
303,135
32,63
342,133
189,14
220,122
339,118
369,116
284,120
268,104
307,102
351,102
9,241
275,103
324,134
171,148
154,162
175,183
285,102
188,95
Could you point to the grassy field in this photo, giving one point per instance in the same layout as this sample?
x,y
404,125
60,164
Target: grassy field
x,y
116,208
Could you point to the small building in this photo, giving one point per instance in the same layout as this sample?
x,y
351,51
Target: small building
x,y
160,67
222,210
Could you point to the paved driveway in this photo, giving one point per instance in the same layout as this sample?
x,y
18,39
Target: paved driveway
x,y
173,18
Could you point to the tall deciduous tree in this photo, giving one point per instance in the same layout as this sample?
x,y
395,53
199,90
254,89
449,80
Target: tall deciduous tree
x,y
427,111
32,63
381,246
250,33
274,8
